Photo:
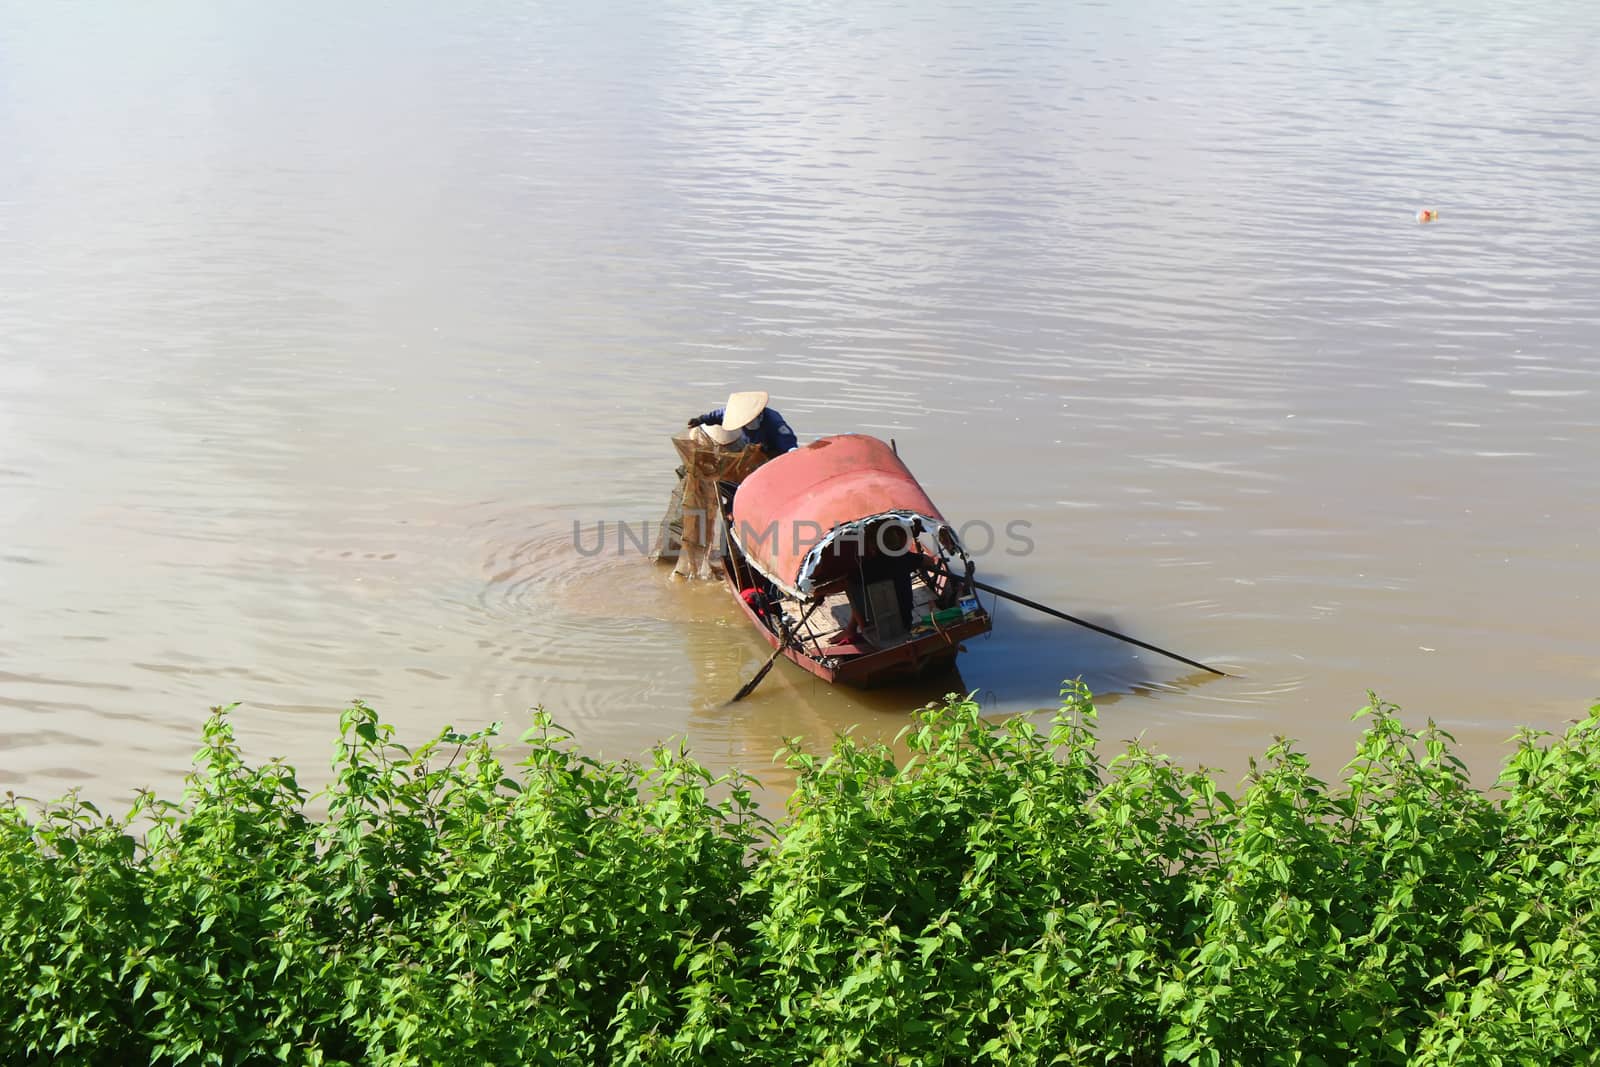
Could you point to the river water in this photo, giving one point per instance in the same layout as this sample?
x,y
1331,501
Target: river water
x,y
323,326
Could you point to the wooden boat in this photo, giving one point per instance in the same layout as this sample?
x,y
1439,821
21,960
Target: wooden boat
x,y
810,537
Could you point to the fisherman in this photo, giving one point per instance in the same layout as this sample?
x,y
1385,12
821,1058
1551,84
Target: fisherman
x,y
747,416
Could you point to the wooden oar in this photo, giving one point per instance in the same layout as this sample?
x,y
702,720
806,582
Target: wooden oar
x,y
784,642
1025,602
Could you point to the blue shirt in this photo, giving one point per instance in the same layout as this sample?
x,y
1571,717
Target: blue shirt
x,y
767,430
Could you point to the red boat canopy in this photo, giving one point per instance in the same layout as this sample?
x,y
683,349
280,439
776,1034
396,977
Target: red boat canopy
x,y
795,512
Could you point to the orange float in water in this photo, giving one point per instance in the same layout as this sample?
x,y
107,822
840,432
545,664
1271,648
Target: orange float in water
x,y
1428,214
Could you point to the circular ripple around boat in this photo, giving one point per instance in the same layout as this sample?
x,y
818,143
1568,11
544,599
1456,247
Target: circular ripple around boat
x,y
603,639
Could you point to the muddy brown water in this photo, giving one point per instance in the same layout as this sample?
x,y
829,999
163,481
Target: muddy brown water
x,y
321,327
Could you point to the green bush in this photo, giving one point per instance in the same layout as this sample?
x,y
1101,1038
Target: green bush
x,y
1003,897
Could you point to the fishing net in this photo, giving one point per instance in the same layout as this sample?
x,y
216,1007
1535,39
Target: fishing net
x,y
691,530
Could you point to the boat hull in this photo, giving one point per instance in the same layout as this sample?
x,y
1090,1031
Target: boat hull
x,y
846,488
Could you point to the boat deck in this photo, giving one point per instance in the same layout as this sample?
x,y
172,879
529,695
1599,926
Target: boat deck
x,y
831,619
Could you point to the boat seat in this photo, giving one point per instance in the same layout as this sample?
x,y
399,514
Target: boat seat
x,y
884,614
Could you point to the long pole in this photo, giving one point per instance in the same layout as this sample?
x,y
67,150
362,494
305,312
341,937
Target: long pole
x,y
1025,602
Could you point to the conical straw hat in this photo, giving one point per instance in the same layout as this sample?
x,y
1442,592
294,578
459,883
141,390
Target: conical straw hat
x,y
742,409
